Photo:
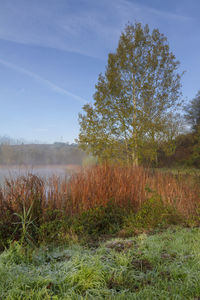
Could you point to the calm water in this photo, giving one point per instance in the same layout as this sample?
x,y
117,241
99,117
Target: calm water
x,y
43,171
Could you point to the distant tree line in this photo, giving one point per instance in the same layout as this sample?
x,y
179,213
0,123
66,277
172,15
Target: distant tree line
x,y
187,145
39,154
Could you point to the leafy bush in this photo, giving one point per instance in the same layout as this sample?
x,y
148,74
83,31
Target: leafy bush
x,y
9,230
50,231
52,226
100,220
153,213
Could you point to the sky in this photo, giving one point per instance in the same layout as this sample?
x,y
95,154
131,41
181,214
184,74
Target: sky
x,y
52,51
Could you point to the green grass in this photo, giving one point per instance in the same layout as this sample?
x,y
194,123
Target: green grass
x,y
180,171
164,265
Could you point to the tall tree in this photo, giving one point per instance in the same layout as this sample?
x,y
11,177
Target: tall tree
x,y
134,98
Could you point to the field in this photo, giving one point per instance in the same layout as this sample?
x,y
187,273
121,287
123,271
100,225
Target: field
x,y
108,232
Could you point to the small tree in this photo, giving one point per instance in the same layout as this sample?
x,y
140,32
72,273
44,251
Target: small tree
x,y
193,112
193,117
134,99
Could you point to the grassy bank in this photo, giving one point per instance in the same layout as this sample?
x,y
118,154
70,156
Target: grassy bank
x,y
160,266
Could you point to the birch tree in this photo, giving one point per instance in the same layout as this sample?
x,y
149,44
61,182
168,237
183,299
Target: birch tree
x,y
138,91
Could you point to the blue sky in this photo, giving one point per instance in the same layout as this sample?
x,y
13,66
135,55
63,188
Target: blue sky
x,y
52,51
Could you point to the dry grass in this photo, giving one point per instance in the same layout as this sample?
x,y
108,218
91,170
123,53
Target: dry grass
x,y
95,186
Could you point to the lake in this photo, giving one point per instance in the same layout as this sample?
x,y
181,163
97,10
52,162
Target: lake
x,y
44,171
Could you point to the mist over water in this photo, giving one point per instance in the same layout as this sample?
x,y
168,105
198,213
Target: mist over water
x,y
44,171
44,160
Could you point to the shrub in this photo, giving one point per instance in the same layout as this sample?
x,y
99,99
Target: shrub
x,y
8,230
100,220
56,227
153,213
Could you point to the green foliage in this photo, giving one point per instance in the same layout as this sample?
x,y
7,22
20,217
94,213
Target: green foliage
x,y
51,231
152,214
187,152
182,156
193,112
26,224
192,116
194,219
99,220
89,161
195,157
8,230
53,227
17,254
56,228
135,100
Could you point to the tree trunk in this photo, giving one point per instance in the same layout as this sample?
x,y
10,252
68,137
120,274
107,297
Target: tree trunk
x,y
135,144
127,152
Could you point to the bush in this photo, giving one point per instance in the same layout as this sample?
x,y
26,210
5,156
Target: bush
x,y
50,231
153,213
53,226
8,229
100,220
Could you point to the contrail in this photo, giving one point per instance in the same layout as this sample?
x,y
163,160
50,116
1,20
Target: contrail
x,y
48,83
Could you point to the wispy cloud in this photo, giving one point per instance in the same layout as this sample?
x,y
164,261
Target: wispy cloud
x,y
90,28
42,80
136,9
168,15
41,129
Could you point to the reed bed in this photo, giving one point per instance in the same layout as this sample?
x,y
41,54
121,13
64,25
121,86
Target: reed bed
x,y
127,187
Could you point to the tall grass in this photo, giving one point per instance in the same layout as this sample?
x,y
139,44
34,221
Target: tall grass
x,y
96,186
81,205
131,186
